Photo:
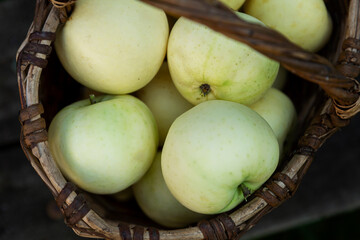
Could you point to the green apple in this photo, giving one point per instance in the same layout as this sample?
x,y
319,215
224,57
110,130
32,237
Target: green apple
x,y
106,146
156,201
234,4
306,23
279,111
216,154
113,46
164,101
207,65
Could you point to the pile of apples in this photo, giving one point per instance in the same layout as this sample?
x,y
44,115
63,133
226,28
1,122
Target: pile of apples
x,y
191,135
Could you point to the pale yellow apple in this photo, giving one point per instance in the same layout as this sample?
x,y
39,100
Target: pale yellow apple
x,y
306,23
216,154
113,46
207,65
156,201
279,111
106,146
164,101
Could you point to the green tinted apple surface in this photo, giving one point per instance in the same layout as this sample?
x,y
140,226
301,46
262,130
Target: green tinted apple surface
x,y
216,150
104,147
207,65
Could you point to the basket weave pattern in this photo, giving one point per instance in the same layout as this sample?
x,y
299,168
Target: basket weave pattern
x,y
335,100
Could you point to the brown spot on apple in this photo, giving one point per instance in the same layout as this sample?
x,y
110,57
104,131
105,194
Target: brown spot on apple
x,y
205,89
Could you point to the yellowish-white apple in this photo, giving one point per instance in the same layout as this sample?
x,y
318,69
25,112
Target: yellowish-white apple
x,y
156,201
113,46
164,101
279,111
306,23
207,65
216,154
106,146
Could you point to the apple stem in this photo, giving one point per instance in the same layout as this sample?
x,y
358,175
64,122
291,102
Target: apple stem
x,y
92,98
205,89
246,191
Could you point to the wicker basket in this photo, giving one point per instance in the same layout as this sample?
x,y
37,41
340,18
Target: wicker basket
x,y
323,88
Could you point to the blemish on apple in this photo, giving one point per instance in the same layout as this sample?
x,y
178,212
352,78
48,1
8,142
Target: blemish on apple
x,y
205,89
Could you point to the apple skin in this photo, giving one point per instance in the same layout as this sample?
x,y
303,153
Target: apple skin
x,y
164,101
113,46
104,147
233,4
215,150
306,23
279,111
198,56
156,201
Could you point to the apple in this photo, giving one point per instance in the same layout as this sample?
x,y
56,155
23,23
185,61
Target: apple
x,y
216,154
279,111
113,46
207,65
156,201
104,146
164,101
306,23
234,4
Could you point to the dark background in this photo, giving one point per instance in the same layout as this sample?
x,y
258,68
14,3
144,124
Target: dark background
x,y
326,206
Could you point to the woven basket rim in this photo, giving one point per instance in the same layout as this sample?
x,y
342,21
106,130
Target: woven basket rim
x,y
342,105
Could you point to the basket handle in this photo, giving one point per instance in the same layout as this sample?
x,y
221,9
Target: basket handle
x,y
338,81
343,89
